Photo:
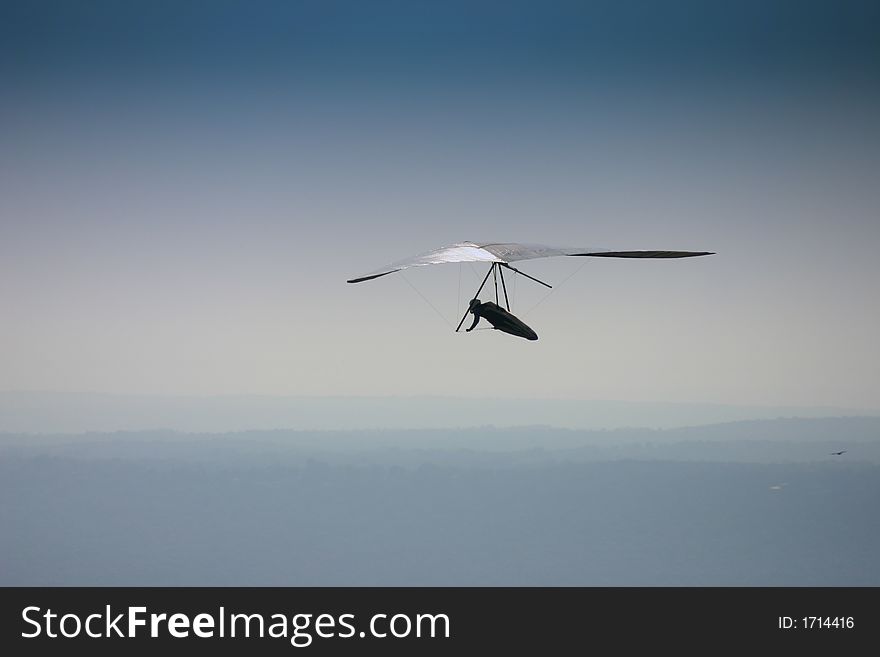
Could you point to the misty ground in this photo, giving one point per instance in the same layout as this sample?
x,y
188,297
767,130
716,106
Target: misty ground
x,y
745,503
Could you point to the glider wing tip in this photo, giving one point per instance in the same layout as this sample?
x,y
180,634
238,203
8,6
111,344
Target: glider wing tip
x,y
371,277
643,254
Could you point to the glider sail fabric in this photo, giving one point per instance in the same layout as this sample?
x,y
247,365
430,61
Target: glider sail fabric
x,y
463,252
511,252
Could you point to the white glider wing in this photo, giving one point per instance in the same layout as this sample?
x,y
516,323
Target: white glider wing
x,y
511,252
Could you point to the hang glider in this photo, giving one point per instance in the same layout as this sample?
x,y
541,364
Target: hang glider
x,y
499,256
505,253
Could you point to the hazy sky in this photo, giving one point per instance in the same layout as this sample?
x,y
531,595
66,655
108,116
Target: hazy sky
x,y
185,188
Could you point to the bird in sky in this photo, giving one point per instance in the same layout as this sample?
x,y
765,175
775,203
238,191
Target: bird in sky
x,y
843,451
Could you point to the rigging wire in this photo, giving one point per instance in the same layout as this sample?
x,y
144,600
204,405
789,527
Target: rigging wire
x,y
515,278
474,272
556,287
425,299
458,296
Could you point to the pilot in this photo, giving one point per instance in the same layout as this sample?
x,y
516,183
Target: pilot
x,y
500,319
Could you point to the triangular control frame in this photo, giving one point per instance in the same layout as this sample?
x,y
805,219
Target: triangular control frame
x,y
497,271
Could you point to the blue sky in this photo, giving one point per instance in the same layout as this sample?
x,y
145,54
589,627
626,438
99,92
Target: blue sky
x,y
186,186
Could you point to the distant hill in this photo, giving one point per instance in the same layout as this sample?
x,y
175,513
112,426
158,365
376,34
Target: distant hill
x,y
58,412
794,440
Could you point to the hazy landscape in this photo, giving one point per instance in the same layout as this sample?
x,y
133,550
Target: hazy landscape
x,y
743,503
